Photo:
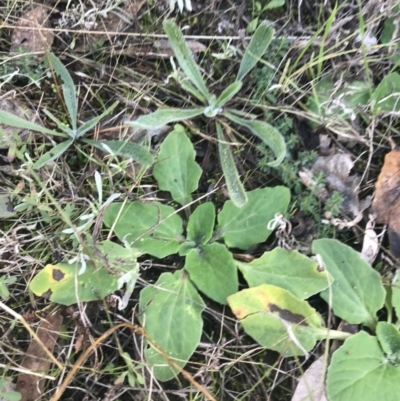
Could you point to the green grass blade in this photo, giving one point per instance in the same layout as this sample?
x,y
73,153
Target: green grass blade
x,y
88,125
228,93
18,122
68,87
124,148
52,154
163,117
235,186
185,57
258,45
267,133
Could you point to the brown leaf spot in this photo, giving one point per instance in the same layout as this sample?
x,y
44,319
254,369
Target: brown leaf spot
x,y
288,316
58,275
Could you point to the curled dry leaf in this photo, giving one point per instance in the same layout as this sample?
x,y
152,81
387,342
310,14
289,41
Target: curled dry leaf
x,y
311,386
36,360
386,204
29,36
114,22
336,169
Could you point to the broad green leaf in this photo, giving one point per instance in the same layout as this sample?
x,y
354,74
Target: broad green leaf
x,y
255,50
213,271
273,4
389,338
357,292
164,116
150,228
172,318
128,149
18,122
395,289
176,170
201,224
386,97
235,187
287,269
53,154
68,87
228,93
277,320
88,125
247,226
6,390
267,133
185,57
360,371
66,287
4,282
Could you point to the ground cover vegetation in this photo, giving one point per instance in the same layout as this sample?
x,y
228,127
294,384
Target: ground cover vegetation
x,y
199,200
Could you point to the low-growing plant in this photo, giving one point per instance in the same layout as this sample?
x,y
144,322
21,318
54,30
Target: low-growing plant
x,y
273,310
193,83
74,131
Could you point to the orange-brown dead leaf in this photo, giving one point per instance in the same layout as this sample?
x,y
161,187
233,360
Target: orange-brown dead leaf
x,y
114,22
386,204
36,360
28,34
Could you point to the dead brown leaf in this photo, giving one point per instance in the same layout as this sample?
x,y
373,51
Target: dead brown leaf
x,y
36,360
116,21
386,204
29,36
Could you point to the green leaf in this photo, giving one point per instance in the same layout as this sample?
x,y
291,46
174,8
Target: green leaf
x,y
386,97
151,228
286,269
4,282
164,116
201,224
68,87
66,287
53,154
256,49
276,319
360,371
273,4
235,187
357,292
176,170
247,226
185,57
6,390
18,122
88,125
128,149
228,93
267,133
389,339
172,318
213,271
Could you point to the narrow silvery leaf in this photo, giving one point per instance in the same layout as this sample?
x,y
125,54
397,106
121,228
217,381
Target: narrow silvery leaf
x,y
18,122
163,117
99,186
185,57
70,97
124,148
60,124
258,45
52,154
88,125
228,93
267,133
235,187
